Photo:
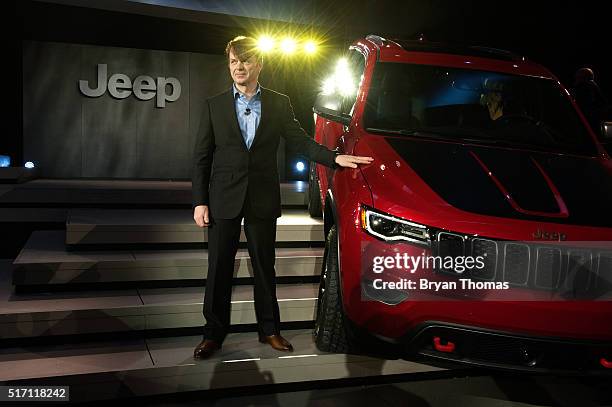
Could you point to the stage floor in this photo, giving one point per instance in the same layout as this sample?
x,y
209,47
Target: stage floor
x,y
119,193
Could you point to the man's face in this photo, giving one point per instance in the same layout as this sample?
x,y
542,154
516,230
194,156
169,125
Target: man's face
x,y
494,104
244,72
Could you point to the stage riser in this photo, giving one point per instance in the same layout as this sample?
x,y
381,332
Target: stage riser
x,y
162,309
171,317
102,193
123,226
103,246
44,261
102,235
55,274
166,365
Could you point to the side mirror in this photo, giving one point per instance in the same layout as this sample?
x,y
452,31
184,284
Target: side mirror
x,y
329,106
606,130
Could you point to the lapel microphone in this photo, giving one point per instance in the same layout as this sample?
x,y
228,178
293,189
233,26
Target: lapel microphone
x,y
247,111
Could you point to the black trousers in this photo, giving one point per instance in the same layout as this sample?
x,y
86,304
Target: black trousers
x,y
223,239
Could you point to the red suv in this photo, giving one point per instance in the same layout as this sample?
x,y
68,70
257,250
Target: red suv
x,y
481,154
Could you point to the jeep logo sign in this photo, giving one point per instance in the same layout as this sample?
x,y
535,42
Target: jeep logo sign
x,y
144,87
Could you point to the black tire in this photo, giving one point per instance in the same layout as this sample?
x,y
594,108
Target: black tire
x,y
315,209
331,332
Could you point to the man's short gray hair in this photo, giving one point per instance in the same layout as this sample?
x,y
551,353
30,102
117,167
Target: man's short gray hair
x,y
244,47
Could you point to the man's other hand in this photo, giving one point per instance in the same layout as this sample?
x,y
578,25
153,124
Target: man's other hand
x,y
200,215
351,161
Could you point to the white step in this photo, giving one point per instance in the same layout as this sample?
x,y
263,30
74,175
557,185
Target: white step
x,y
45,260
69,313
158,226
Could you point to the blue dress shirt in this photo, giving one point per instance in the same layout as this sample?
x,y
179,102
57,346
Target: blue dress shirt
x,y
248,119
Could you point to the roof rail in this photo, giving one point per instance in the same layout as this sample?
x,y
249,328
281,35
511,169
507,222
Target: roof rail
x,y
416,45
376,39
498,51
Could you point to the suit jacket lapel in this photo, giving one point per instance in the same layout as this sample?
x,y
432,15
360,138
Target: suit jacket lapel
x,y
231,116
262,119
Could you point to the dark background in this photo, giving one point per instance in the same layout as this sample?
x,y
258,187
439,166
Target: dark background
x,y
561,36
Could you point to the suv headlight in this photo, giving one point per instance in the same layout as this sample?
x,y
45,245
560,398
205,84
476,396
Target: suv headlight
x,y
391,228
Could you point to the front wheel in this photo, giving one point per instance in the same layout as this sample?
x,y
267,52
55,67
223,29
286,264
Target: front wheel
x,y
331,327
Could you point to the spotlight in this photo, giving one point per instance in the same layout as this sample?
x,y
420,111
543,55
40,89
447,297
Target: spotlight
x,y
310,47
288,45
300,166
341,82
342,65
29,164
345,86
266,44
5,161
329,86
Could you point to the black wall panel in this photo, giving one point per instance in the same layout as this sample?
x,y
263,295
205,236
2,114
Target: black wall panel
x,y
68,134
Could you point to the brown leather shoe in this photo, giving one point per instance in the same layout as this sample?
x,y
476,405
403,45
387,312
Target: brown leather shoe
x,y
277,342
205,349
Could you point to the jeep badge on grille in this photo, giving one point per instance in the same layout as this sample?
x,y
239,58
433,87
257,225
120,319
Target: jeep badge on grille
x,y
546,235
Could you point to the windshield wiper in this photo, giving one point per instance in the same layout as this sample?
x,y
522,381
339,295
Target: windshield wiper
x,y
515,144
459,135
456,137
413,132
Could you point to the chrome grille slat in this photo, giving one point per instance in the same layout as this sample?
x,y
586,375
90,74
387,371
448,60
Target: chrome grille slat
x,y
489,251
604,271
573,272
579,271
548,267
450,244
516,263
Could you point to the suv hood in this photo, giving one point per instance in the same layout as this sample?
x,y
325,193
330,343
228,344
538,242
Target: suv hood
x,y
489,180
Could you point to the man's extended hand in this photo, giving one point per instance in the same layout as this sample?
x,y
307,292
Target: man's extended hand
x,y
200,215
351,161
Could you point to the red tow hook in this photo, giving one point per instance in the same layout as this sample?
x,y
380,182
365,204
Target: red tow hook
x,y
448,348
606,363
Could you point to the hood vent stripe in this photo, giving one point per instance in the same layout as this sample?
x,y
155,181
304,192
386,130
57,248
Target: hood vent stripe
x,y
563,211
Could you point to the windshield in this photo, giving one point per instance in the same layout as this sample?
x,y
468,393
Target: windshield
x,y
479,106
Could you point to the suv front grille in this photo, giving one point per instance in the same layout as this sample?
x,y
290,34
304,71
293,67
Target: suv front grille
x,y
571,271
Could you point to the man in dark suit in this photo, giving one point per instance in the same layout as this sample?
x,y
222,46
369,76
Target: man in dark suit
x,y
235,175
590,98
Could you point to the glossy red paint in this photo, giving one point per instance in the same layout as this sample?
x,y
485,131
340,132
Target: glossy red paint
x,y
391,185
563,213
401,192
393,54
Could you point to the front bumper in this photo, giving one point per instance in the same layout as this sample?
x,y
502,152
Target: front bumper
x,y
544,310
502,350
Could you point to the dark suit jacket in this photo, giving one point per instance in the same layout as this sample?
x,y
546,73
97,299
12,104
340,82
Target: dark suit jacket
x,y
223,167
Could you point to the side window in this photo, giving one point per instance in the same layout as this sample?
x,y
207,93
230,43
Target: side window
x,y
356,66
